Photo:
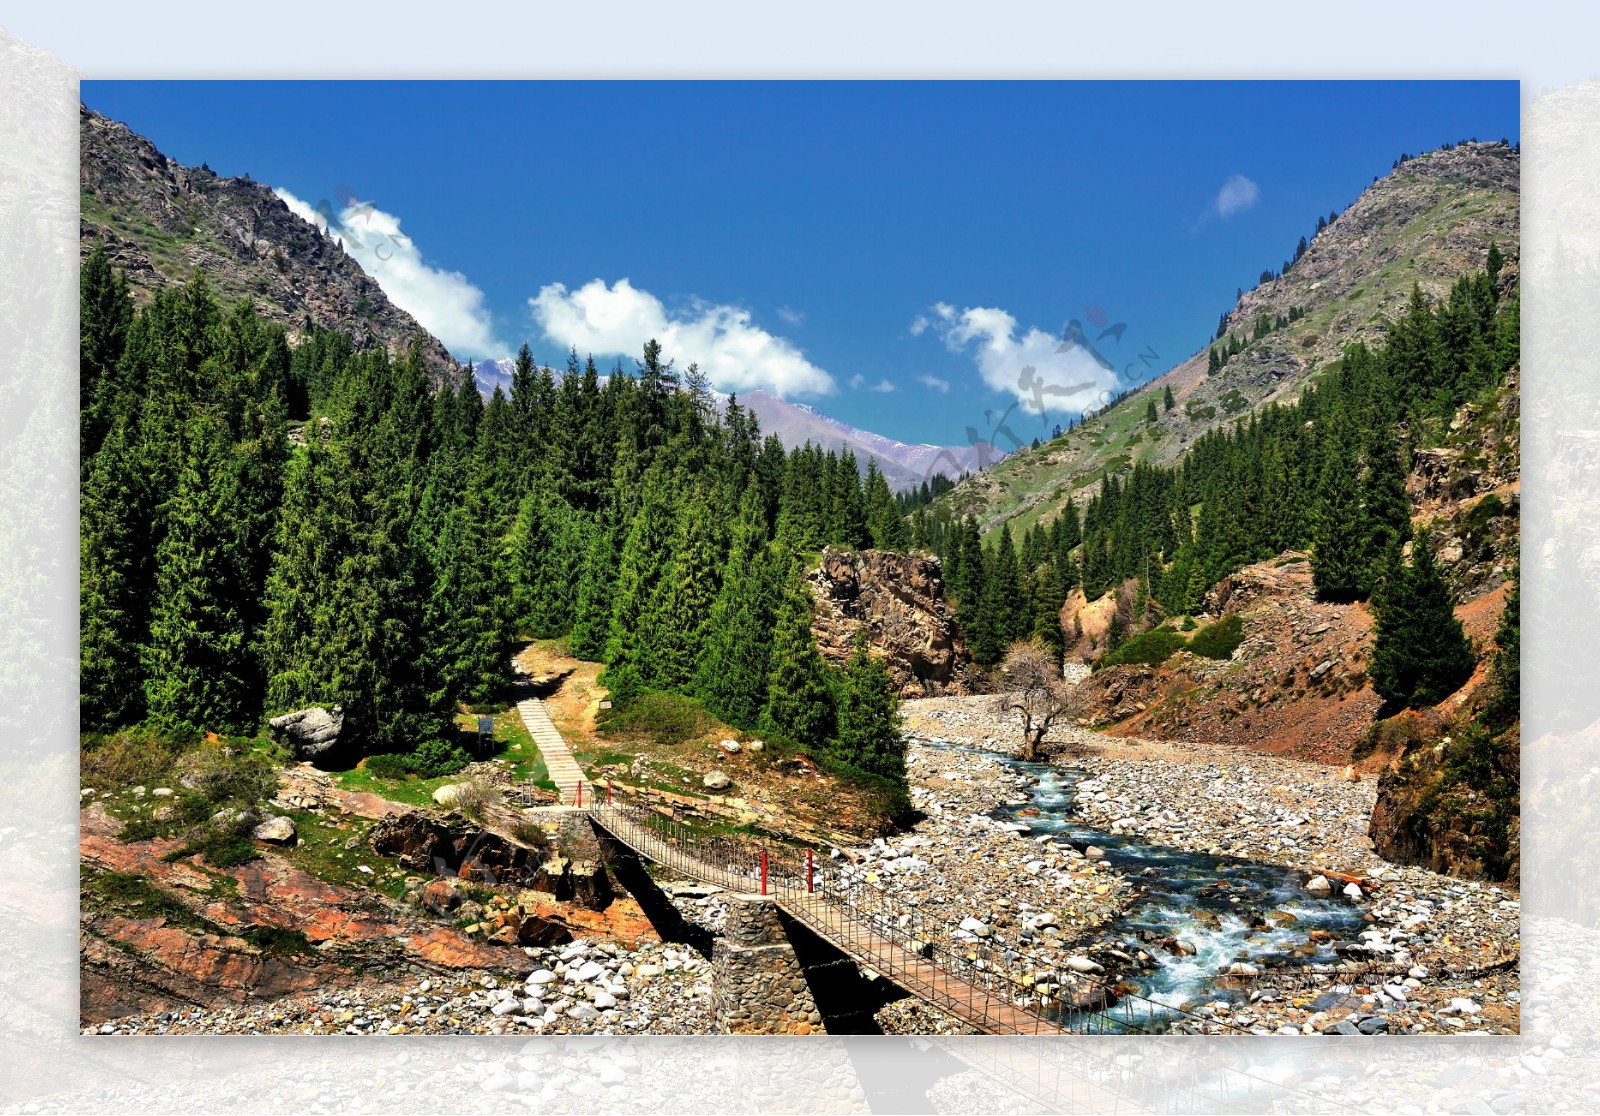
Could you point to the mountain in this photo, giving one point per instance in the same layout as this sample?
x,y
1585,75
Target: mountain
x,y
1429,220
161,221
904,466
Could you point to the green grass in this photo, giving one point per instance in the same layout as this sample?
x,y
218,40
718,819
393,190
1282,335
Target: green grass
x,y
320,852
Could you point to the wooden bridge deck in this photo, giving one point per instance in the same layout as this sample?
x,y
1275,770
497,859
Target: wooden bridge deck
x,y
987,1010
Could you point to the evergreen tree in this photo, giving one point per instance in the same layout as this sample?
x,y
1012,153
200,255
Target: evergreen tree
x,y
675,624
799,700
591,623
1420,656
197,663
469,632
115,586
869,717
1167,401
884,521
1150,414
732,675
632,662
1386,509
1339,564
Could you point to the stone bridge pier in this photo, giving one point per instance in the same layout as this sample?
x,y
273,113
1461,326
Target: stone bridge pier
x,y
758,986
771,975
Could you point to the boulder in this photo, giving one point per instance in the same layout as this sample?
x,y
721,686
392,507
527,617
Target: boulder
x,y
312,732
275,831
447,795
732,747
716,780
1319,885
440,896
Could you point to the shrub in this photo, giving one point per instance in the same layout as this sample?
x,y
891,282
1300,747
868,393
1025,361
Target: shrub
x,y
663,718
1188,624
224,779
128,757
1219,640
530,833
433,759
474,796
1151,648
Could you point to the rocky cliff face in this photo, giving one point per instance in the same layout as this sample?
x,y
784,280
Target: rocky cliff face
x,y
161,221
899,600
1453,806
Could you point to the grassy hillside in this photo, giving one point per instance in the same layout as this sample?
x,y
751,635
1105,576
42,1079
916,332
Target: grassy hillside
x,y
1429,220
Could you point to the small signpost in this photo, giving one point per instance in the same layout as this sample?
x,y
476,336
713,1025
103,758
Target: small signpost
x,y
485,735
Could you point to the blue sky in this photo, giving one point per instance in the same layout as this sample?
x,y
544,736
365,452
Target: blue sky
x,y
892,253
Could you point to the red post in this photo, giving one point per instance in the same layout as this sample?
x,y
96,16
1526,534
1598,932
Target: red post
x,y
809,886
580,792
608,792
763,871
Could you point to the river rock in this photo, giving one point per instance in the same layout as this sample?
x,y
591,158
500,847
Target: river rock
x,y
1081,964
1319,885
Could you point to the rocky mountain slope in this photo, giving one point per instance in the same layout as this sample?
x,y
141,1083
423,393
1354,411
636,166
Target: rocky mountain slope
x,y
161,221
1297,683
1428,221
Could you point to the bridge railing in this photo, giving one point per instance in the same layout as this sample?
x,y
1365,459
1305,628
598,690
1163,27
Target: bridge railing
x,y
996,989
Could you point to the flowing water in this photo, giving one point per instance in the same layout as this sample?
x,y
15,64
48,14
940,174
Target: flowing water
x,y
1205,901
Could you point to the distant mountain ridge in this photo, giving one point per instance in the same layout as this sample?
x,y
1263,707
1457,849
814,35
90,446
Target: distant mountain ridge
x,y
903,465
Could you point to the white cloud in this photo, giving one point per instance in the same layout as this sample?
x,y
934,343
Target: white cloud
x,y
1038,368
734,354
792,316
1238,193
444,302
941,386
919,325
882,385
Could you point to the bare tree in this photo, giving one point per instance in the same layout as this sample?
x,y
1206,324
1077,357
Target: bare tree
x,y
1035,692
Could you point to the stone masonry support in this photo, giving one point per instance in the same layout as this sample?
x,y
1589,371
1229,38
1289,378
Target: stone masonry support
x,y
758,986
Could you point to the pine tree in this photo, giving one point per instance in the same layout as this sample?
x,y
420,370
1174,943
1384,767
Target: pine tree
x,y
115,586
869,717
1150,414
632,662
884,522
1339,564
591,622
1386,509
197,663
104,315
675,623
1420,655
732,675
1213,361
799,700
469,633
1167,401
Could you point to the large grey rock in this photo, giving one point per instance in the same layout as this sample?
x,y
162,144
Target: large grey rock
x,y
275,831
716,780
311,732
